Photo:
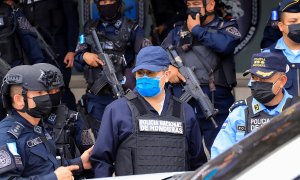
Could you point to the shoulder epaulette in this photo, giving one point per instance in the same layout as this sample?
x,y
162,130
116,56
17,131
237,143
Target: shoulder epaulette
x,y
237,104
16,129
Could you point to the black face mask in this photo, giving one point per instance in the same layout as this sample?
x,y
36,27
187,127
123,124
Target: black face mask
x,y
43,107
55,99
194,11
294,32
110,12
262,91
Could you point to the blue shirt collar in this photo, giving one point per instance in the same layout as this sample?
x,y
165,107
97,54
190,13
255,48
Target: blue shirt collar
x,y
280,45
20,119
257,106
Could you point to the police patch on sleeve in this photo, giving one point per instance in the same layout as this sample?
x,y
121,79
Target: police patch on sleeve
x,y
233,31
6,160
162,126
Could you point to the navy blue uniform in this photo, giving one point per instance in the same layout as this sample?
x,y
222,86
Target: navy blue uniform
x,y
210,49
16,36
59,25
97,103
117,126
26,150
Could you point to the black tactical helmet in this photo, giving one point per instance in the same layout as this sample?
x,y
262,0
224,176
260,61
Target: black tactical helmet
x,y
53,74
27,77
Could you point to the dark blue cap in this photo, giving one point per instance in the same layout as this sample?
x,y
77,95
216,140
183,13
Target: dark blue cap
x,y
152,58
266,64
292,6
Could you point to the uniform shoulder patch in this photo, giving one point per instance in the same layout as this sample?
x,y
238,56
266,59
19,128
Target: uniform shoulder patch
x,y
6,160
233,31
16,129
237,104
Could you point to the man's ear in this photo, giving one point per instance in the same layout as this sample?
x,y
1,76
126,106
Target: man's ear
x,y
167,74
210,7
280,26
18,101
284,80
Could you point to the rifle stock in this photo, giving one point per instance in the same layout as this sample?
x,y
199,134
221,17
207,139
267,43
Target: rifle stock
x,y
192,87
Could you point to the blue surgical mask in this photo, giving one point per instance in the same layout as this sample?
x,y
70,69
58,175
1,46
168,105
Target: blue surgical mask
x,y
148,86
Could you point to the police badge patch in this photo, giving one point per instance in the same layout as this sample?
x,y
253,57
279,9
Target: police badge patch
x,y
234,31
5,159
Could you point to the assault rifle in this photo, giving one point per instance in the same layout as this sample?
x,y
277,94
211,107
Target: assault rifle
x,y
44,45
109,72
192,87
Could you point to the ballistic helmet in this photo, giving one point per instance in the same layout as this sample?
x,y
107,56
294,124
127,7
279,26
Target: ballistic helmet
x,y
53,74
25,76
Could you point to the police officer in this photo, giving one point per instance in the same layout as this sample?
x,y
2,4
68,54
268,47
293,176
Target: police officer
x,y
206,44
269,98
65,126
148,131
57,21
15,36
27,150
289,44
121,39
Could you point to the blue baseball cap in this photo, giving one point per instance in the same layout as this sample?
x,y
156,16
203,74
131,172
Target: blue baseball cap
x,y
266,64
152,58
292,6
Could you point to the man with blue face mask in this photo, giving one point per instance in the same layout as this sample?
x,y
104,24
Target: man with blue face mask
x,y
149,130
269,98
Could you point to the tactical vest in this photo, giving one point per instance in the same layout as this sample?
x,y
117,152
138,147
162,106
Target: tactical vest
x,y
9,43
207,64
48,15
61,126
257,120
115,45
157,144
292,84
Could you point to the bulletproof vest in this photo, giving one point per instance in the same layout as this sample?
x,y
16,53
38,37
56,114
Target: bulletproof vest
x,y
257,120
157,144
207,64
8,40
48,15
292,84
114,44
61,126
